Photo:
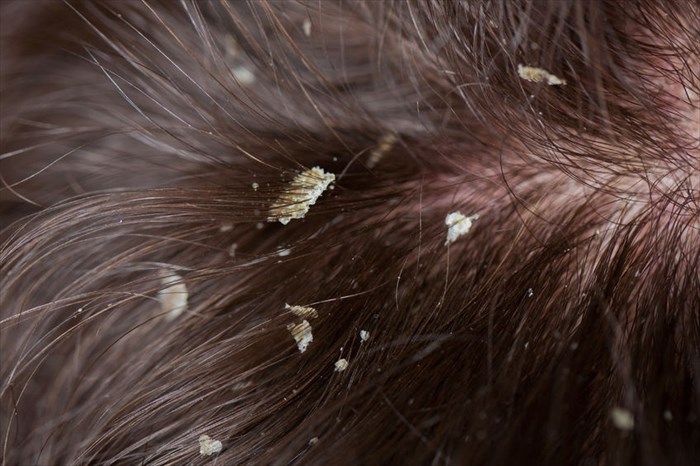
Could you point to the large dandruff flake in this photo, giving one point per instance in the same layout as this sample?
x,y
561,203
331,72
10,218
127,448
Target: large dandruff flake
x,y
301,193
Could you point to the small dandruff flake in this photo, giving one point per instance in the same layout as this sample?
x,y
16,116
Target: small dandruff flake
x,y
255,186
173,296
305,312
209,446
301,193
301,334
341,365
364,335
313,441
622,419
243,75
537,75
458,225
383,147
307,27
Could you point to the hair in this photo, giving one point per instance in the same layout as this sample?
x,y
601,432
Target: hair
x,y
346,232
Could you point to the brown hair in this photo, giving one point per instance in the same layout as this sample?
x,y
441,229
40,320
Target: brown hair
x,y
227,234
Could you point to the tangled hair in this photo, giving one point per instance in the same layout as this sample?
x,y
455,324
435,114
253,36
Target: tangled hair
x,y
227,235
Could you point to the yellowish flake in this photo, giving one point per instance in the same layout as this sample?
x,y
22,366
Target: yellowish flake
x,y
301,193
385,144
534,74
305,312
301,334
622,418
341,365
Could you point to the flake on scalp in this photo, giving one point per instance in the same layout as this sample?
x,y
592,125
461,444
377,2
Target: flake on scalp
x,y
364,335
306,26
301,193
173,296
301,334
209,446
341,365
537,75
305,312
243,75
622,418
458,225
385,144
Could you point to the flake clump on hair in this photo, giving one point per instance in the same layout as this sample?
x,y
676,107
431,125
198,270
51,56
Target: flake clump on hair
x,y
301,193
301,334
305,312
622,419
537,75
364,335
209,446
173,297
458,225
341,365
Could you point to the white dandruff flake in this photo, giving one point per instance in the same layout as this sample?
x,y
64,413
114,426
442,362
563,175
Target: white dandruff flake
x,y
226,227
301,334
305,312
458,225
313,441
622,419
307,27
341,365
243,75
364,335
536,75
301,193
209,446
255,186
173,297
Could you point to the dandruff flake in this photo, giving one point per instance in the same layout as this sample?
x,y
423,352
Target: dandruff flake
x,y
458,225
301,193
341,365
622,419
306,26
173,297
364,335
305,312
209,446
534,74
301,334
385,144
